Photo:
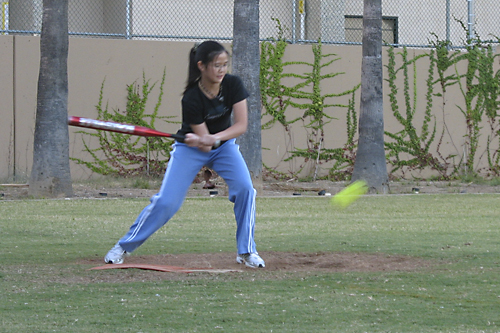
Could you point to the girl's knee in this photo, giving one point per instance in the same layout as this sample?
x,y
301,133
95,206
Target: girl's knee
x,y
243,192
167,205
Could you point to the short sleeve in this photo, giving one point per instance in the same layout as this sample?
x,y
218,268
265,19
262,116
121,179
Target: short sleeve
x,y
238,90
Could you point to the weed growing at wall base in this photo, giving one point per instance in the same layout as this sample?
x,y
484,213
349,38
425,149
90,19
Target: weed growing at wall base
x,y
318,109
122,154
411,149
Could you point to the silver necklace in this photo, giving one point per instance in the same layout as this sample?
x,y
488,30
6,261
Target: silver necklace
x,y
212,96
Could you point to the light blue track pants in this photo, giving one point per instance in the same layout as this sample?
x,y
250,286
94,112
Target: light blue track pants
x,y
184,164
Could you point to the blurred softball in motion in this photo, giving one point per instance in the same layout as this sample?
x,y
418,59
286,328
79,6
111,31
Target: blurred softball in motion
x,y
350,194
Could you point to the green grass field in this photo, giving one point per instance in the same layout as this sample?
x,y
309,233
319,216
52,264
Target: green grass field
x,y
45,286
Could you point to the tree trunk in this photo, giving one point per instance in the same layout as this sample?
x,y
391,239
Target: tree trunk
x,y
246,64
50,174
370,164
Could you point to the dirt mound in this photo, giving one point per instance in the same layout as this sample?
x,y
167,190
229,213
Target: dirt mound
x,y
276,263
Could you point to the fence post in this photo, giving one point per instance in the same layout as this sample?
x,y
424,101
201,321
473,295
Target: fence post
x,y
129,20
470,22
294,21
448,15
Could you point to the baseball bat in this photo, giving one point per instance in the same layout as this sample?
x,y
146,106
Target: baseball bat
x,y
112,126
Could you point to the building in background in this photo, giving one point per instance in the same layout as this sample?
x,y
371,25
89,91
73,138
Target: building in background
x,y
405,23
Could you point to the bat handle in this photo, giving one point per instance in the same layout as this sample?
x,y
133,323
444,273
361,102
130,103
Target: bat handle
x,y
178,137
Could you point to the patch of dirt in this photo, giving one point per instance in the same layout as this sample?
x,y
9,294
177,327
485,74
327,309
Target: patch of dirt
x,y
276,263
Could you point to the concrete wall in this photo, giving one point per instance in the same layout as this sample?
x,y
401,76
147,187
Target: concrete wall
x,y
6,107
121,62
91,61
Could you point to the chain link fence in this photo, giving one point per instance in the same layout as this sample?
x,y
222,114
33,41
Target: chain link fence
x,y
405,23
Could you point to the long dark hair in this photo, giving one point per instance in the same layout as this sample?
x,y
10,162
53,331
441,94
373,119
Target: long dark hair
x,y
204,52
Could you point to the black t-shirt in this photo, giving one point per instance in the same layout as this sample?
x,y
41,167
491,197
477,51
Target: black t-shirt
x,y
216,113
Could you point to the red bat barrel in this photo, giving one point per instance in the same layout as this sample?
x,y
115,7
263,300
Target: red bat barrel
x,y
112,126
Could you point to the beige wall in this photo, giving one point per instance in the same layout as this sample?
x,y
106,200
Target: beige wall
x,y
121,62
91,61
6,107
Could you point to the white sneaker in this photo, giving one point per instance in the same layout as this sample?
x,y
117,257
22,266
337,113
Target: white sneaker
x,y
115,255
251,260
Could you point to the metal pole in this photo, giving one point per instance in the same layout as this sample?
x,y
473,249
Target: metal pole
x,y
302,12
448,21
294,21
471,19
128,23
5,17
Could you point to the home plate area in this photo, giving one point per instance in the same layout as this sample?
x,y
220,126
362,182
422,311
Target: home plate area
x,y
164,268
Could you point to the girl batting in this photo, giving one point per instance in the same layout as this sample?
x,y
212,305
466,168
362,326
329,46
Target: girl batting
x,y
210,98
